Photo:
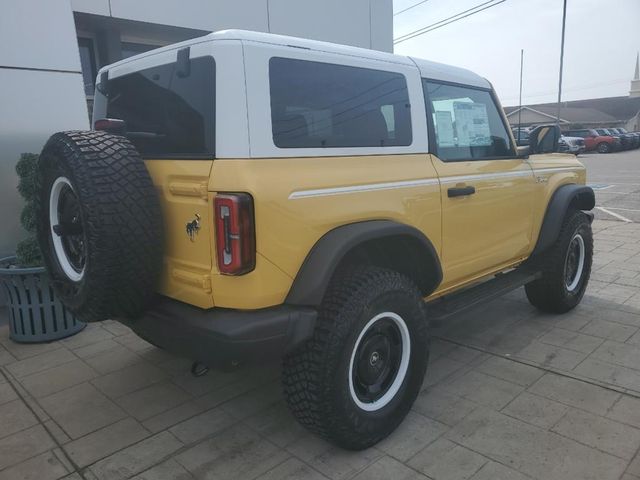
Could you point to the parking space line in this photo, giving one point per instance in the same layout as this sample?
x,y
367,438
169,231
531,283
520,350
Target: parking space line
x,y
628,183
625,209
613,214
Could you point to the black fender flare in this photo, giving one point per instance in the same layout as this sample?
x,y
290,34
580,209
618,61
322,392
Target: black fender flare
x,y
321,262
579,197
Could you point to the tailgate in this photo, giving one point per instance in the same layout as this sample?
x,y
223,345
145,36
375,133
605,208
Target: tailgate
x,y
182,189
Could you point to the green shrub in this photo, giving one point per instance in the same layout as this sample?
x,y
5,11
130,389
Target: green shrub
x,y
28,252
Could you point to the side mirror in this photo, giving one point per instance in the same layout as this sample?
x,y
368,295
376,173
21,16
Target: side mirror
x,y
544,139
523,151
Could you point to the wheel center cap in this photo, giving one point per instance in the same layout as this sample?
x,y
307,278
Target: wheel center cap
x,y
375,356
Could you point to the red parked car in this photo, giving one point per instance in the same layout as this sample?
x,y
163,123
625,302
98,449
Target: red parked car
x,y
594,141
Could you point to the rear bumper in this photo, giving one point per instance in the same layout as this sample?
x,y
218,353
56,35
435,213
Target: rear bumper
x,y
223,337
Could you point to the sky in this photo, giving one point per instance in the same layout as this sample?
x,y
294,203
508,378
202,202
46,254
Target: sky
x,y
601,42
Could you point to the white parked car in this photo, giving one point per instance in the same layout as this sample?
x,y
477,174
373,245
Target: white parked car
x,y
573,145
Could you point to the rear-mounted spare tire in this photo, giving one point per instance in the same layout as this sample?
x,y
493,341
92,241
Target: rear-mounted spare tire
x,y
99,224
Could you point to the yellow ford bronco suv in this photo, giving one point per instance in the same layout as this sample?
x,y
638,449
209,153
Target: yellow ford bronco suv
x,y
246,196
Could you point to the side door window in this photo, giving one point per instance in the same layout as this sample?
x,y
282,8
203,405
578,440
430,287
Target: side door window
x,y
466,123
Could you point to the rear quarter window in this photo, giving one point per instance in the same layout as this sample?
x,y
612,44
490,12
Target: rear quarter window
x,y
167,113
315,104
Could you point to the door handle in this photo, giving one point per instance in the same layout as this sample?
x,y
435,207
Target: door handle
x,y
461,191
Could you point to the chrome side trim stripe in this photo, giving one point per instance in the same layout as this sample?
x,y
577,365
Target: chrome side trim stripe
x,y
556,170
370,187
322,192
486,176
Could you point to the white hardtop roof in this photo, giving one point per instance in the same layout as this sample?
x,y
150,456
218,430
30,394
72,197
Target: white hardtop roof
x,y
432,70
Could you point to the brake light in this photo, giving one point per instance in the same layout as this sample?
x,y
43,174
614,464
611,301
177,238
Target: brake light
x,y
115,126
235,233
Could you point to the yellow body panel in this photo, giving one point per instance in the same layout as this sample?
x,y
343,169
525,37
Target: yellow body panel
x,y
298,200
287,228
490,228
547,182
182,188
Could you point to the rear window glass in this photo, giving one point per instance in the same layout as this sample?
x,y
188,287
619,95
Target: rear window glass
x,y
316,104
167,112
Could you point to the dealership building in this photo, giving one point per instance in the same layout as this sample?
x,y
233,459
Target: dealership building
x,y
51,51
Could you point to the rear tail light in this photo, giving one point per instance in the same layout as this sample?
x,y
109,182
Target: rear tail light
x,y
235,233
115,126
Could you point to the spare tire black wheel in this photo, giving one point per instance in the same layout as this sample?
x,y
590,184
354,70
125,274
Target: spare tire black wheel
x,y
99,224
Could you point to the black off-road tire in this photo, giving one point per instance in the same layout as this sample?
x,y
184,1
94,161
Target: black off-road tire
x,y
604,147
119,211
316,375
551,293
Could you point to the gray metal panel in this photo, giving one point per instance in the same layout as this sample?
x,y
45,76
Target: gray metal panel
x,y
96,7
38,34
199,14
364,23
335,21
381,25
34,105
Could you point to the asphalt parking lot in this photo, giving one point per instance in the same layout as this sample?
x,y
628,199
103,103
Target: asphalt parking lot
x,y
616,181
510,393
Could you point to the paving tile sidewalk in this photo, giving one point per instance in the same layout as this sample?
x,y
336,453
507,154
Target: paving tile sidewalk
x,y
510,394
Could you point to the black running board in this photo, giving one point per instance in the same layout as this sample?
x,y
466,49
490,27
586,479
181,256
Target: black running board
x,y
458,302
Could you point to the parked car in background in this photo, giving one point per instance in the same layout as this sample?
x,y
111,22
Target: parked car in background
x,y
625,141
603,143
634,137
573,145
635,134
521,135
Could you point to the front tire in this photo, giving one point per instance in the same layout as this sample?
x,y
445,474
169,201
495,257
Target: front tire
x,y
604,147
355,380
566,267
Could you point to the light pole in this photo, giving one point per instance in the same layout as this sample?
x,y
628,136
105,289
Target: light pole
x,y
520,100
564,21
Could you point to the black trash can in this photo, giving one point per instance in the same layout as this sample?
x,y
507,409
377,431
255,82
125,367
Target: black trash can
x,y
35,314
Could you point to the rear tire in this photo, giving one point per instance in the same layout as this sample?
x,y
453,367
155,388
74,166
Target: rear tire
x,y
566,267
604,147
99,225
355,380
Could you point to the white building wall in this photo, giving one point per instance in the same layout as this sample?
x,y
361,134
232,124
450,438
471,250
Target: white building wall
x,y
362,23
199,14
334,20
42,92
95,7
